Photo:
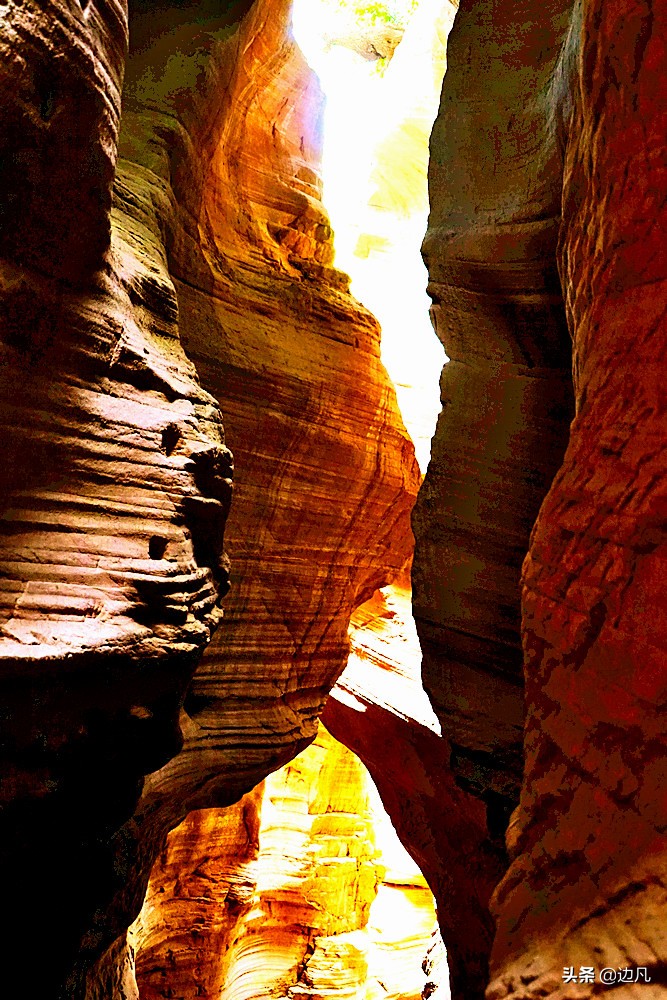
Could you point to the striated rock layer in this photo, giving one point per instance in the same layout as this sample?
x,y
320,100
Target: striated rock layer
x,y
497,307
588,885
114,466
490,248
322,458
379,709
117,478
286,894
321,455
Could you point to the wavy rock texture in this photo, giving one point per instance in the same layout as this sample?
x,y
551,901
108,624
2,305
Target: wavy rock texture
x,y
490,251
589,836
286,894
378,708
118,477
321,455
202,888
113,457
322,458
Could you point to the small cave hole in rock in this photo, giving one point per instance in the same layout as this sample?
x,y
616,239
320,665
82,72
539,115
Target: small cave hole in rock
x,y
157,547
47,93
171,435
300,890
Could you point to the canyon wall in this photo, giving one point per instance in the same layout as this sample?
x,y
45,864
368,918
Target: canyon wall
x,y
127,327
490,248
202,286
107,595
535,164
588,882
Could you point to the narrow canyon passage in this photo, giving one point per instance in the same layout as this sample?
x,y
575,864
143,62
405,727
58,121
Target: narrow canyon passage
x,y
381,67
300,890
305,878
213,488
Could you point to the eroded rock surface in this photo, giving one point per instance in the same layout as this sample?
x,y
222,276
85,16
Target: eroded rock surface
x,y
286,894
321,456
118,478
379,709
588,883
111,451
490,251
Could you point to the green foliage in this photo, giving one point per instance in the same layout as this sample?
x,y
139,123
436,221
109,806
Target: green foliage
x,y
393,12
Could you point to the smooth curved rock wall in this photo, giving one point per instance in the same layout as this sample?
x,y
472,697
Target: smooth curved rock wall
x,y
587,886
495,183
506,392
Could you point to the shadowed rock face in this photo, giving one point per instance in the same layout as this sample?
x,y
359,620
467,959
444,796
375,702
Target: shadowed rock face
x,y
490,249
588,840
112,451
586,886
117,483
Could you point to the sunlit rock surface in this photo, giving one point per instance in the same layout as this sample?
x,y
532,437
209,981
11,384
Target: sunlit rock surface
x,y
379,709
206,286
588,883
321,456
297,891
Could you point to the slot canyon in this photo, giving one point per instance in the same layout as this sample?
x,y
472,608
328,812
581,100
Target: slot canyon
x,y
318,682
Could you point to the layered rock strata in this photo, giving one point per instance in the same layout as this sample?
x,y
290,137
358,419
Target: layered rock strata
x,y
322,458
113,464
379,709
321,455
506,392
587,887
118,479
285,894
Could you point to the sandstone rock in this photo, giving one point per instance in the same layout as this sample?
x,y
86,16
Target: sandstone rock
x,y
203,886
114,975
587,885
209,285
379,709
117,476
497,307
321,455
114,460
278,895
317,438
61,73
